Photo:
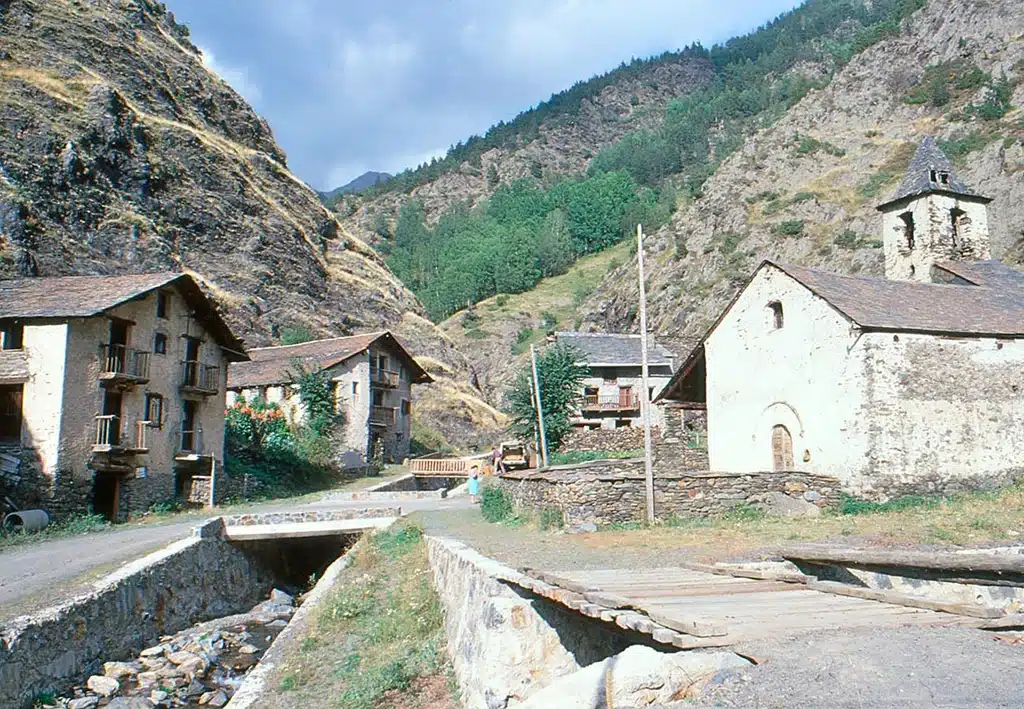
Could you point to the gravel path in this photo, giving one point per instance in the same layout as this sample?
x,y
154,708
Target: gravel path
x,y
910,668
35,576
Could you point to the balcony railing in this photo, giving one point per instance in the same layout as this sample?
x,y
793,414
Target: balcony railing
x,y
200,378
190,441
122,363
382,415
384,377
611,402
111,439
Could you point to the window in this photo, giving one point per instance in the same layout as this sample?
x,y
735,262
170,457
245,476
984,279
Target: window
x,y
12,337
777,317
908,228
939,177
10,412
160,343
378,398
355,390
406,407
155,410
956,218
163,305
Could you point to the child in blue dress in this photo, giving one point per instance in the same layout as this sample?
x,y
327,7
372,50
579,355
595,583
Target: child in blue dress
x,y
473,486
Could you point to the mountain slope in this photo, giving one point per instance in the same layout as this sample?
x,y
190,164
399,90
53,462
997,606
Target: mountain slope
x,y
804,190
363,182
120,152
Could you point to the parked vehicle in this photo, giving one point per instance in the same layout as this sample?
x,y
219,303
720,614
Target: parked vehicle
x,y
514,455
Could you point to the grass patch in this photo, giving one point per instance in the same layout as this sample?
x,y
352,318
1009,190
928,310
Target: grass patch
x,y
70,527
576,457
854,506
728,242
791,227
379,635
806,145
888,172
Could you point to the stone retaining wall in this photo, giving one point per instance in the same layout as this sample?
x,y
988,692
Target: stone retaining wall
x,y
189,581
606,492
506,645
602,439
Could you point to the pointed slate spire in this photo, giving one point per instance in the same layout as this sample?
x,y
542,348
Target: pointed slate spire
x,y
931,170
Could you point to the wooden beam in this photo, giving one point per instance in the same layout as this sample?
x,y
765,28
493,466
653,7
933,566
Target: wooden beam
x,y
1011,564
901,599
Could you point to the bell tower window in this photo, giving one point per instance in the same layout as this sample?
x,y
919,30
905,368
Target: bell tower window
x,y
908,228
955,217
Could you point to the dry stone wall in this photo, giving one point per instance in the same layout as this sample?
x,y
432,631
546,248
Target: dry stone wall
x,y
607,492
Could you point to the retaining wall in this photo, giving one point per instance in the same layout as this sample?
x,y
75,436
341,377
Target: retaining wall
x,y
605,492
189,581
505,644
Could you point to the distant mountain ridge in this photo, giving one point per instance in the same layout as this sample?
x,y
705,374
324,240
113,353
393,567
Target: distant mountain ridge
x,y
368,179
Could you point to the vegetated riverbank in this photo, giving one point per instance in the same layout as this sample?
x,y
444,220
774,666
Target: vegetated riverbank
x,y
378,641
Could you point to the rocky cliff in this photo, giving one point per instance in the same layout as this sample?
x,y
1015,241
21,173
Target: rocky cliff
x,y
120,152
563,144
804,190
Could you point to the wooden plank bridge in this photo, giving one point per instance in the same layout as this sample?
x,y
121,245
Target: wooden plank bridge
x,y
692,608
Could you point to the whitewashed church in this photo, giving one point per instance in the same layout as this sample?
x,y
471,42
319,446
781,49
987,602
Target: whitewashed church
x,y
911,383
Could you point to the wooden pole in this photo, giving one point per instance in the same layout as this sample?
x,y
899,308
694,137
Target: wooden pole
x,y
540,409
645,398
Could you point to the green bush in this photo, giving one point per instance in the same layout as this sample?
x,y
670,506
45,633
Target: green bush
x,y
576,457
729,241
551,518
793,227
495,505
501,300
847,240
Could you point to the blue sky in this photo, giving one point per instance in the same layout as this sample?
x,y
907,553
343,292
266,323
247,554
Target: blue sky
x,y
353,86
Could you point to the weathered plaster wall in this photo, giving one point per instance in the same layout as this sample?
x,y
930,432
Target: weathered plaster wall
x,y
506,645
45,348
945,413
933,236
397,435
608,380
191,580
607,492
807,376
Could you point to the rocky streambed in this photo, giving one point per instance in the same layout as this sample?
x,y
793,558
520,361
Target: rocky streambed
x,y
198,667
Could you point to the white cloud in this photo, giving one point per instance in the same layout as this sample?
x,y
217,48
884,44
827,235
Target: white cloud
x,y
237,77
373,69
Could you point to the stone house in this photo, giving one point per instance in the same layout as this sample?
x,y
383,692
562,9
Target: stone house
x,y
112,391
612,391
909,383
372,378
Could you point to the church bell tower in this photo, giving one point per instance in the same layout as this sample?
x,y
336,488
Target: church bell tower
x,y
933,218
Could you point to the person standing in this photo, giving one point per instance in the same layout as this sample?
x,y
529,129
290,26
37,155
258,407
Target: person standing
x,y
497,460
473,485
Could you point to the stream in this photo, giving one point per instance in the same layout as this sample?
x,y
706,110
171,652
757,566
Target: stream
x,y
201,666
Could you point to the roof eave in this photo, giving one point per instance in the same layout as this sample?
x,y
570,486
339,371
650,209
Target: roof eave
x,y
966,196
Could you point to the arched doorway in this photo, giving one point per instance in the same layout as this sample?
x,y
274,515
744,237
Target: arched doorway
x,y
782,449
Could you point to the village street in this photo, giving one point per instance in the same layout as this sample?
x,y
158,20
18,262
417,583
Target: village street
x,y
38,575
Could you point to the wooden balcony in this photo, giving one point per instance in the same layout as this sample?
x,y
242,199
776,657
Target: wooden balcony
x,y
124,366
111,439
624,401
199,378
382,416
384,377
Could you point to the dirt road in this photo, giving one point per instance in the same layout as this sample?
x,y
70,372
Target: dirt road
x,y
38,575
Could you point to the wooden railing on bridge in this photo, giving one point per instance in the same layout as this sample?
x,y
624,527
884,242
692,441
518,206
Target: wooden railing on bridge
x,y
432,465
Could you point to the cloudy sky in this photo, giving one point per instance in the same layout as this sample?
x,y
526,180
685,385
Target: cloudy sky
x,y
353,86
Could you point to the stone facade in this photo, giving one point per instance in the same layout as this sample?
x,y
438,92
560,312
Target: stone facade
x,y
935,228
192,580
583,440
66,392
608,492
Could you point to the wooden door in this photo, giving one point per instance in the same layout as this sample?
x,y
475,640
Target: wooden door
x,y
112,407
782,449
10,412
625,397
106,493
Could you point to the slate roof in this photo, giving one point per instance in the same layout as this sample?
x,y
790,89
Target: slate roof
x,y
66,297
880,304
600,348
994,274
274,365
918,180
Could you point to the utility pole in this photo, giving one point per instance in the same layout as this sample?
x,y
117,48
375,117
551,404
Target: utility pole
x,y
645,399
540,409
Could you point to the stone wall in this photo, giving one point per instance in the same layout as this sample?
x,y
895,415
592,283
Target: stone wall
x,y
506,645
606,492
189,581
582,440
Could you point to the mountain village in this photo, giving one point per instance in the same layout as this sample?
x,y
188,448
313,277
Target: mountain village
x,y
718,458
